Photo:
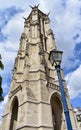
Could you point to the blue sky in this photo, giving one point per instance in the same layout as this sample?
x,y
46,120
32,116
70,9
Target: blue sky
x,y
66,24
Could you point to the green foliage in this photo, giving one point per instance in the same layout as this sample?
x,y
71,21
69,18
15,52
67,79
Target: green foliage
x,y
1,90
1,64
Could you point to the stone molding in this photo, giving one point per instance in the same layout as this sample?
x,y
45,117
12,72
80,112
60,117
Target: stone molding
x,y
15,91
33,126
34,102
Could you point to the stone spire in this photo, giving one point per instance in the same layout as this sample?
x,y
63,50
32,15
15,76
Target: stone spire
x,y
34,99
38,36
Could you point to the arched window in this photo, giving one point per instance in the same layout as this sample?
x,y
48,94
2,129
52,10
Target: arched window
x,y
14,114
56,112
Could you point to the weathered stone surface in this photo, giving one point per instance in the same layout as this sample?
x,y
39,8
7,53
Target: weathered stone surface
x,y
34,83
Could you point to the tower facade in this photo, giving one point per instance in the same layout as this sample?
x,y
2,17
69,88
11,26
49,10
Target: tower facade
x,y
34,99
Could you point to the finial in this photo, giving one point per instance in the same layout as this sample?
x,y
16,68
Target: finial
x,y
37,5
34,6
31,6
48,14
24,18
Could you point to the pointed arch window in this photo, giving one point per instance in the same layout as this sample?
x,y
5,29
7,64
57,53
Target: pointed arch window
x,y
14,114
56,112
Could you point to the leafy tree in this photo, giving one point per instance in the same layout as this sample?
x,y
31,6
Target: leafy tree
x,y
1,90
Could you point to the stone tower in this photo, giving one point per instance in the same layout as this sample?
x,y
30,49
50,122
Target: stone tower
x,y
34,99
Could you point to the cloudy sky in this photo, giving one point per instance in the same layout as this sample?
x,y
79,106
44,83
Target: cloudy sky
x,y
66,24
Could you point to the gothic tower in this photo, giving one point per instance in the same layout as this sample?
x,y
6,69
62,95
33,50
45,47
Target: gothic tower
x,y
34,99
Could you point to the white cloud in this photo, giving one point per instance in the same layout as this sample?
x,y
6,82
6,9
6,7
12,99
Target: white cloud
x,y
14,28
24,4
9,48
66,24
74,82
8,3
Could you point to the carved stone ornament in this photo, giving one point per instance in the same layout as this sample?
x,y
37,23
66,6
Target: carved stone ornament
x,y
15,90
